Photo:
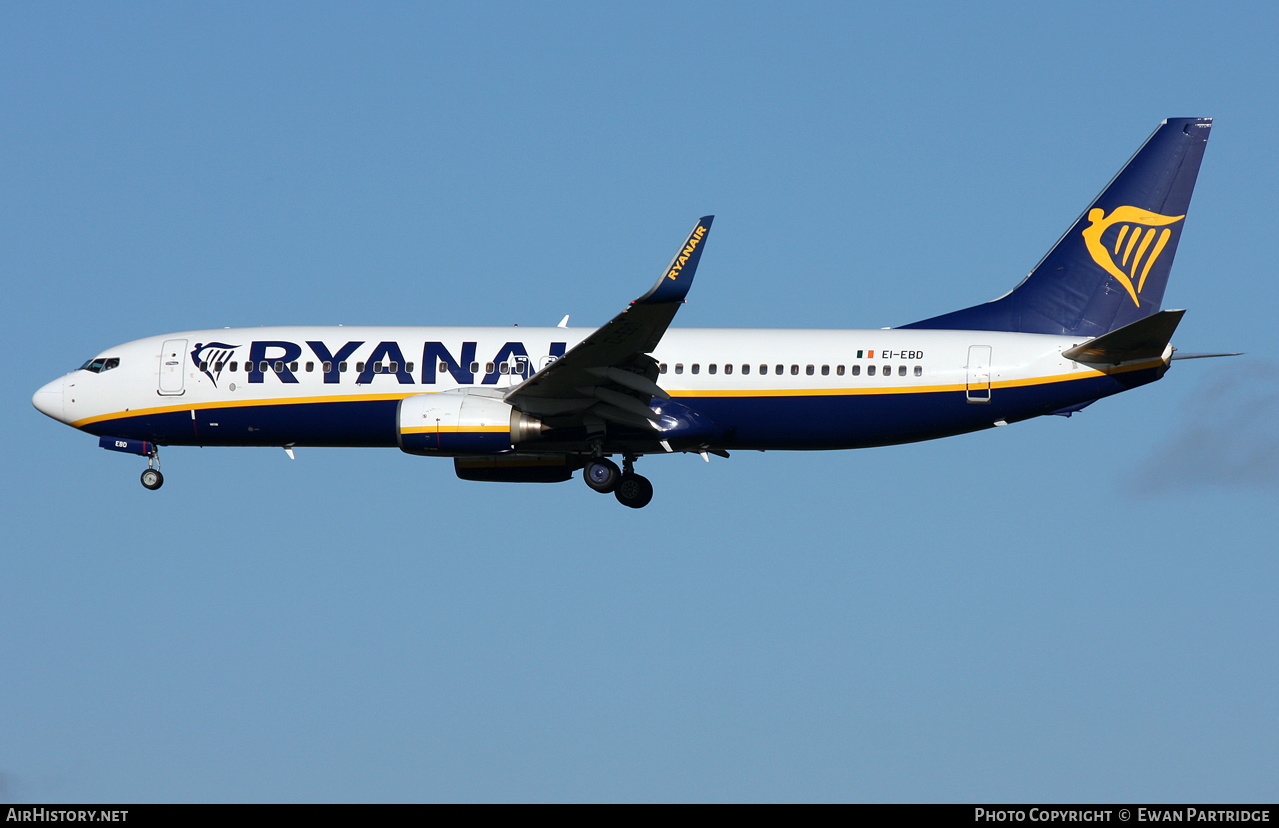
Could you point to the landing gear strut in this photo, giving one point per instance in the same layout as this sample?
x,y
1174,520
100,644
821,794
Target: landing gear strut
x,y
151,478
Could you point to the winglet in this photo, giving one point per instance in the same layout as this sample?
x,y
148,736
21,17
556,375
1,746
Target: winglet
x,y
677,278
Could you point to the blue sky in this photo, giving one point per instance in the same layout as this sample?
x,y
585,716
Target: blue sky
x,y
1065,610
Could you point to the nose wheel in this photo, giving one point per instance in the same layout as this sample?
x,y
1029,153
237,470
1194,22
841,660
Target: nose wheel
x,y
151,478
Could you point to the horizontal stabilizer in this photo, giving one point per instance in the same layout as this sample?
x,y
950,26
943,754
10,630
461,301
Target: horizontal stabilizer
x,y
1144,339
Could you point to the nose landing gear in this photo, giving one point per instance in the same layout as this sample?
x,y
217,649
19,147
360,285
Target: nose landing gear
x,y
630,489
151,478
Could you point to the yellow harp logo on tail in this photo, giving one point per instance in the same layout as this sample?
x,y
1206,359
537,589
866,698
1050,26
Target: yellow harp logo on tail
x,y
1137,237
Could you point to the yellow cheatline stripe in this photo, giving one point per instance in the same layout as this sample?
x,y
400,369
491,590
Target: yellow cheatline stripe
x,y
168,409
1086,373
455,429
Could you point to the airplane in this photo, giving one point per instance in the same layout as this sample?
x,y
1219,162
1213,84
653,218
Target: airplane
x,y
540,404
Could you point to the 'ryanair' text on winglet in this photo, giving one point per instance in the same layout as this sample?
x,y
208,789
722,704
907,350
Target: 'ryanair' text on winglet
x,y
677,278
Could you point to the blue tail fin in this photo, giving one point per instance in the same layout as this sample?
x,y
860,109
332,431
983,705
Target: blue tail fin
x,y
1111,267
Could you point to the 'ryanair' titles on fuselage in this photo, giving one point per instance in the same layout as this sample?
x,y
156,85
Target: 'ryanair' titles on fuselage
x,y
278,357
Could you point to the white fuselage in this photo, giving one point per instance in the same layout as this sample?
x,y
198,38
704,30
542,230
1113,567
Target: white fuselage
x,y
769,388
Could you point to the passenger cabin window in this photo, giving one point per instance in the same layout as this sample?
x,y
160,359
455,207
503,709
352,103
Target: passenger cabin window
x,y
679,367
839,369
794,369
341,367
696,368
825,370
310,366
728,368
746,369
475,367
326,367
234,367
809,370
919,370
661,369
779,369
901,370
870,370
710,369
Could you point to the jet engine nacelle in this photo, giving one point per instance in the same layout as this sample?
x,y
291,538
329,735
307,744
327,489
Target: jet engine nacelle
x,y
451,424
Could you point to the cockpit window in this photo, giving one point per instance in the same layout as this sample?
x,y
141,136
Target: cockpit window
x,y
100,364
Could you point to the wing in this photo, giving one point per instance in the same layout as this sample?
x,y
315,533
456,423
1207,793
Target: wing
x,y
610,375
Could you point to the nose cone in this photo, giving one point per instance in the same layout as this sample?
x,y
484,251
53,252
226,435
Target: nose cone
x,y
48,400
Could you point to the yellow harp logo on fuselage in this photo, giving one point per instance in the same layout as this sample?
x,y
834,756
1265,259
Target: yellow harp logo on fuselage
x,y
1140,242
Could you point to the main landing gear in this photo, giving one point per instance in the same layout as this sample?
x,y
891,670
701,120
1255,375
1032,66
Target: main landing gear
x,y
630,489
151,478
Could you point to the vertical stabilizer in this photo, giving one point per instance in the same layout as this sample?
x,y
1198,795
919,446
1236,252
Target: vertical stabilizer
x,y
1111,267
